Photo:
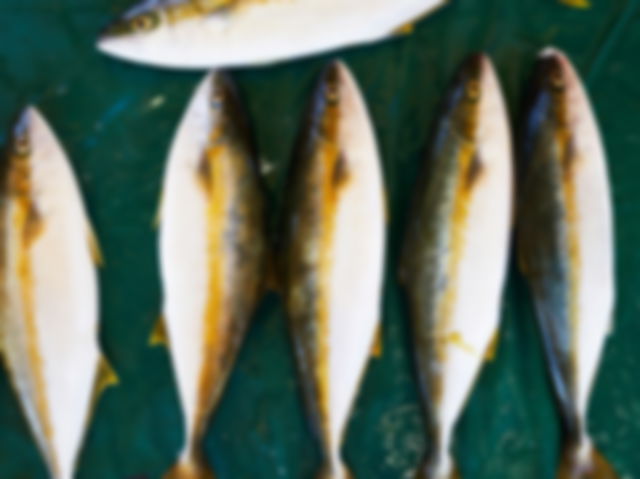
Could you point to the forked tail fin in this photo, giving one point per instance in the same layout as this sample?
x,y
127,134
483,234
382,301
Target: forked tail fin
x,y
190,468
592,465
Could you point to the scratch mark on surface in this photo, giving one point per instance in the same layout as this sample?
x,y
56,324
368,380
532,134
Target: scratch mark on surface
x,y
610,40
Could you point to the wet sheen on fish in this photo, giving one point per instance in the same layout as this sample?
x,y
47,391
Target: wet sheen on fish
x,y
212,254
565,247
223,33
332,256
454,259
49,291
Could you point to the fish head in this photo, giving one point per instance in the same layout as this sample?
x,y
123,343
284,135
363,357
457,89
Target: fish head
x,y
20,138
138,34
226,107
464,100
20,150
551,84
140,23
326,100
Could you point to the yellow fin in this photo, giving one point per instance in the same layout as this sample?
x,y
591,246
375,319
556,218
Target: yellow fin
x,y
159,334
106,377
406,29
377,347
581,4
157,218
94,247
458,340
492,349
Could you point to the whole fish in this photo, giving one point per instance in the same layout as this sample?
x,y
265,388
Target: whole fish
x,y
49,292
455,254
333,256
565,247
212,254
222,33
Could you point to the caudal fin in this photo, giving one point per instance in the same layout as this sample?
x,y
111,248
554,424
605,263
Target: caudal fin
x,y
190,469
335,472
431,469
592,466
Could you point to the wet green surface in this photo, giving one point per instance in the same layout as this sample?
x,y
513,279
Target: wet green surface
x,y
116,121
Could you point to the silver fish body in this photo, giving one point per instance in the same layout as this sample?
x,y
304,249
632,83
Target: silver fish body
x,y
196,34
565,247
454,259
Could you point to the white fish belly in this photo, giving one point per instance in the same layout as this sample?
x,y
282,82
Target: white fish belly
x,y
595,236
482,267
64,299
184,255
263,32
357,260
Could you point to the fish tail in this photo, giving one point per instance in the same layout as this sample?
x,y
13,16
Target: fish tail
x,y
435,467
331,471
190,467
585,463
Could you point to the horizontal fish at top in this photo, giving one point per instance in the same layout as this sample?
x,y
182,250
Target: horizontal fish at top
x,y
49,293
565,247
194,34
212,254
333,256
454,260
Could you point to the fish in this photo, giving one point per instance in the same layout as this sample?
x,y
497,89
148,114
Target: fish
x,y
49,293
213,254
332,252
565,247
453,262
204,34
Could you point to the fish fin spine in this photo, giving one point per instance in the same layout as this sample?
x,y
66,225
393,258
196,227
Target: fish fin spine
x,y
159,336
190,467
576,464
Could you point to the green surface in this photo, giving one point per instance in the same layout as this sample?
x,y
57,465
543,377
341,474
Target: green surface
x,y
116,121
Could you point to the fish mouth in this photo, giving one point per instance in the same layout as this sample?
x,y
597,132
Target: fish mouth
x,y
117,29
474,66
21,124
551,70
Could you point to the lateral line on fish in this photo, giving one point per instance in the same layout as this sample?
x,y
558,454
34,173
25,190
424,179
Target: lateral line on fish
x,y
457,222
217,196
330,156
573,241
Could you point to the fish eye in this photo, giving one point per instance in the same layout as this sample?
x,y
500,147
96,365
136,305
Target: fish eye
x,y
216,100
472,90
332,93
144,22
21,146
556,79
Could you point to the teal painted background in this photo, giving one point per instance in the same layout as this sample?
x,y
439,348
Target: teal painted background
x,y
116,121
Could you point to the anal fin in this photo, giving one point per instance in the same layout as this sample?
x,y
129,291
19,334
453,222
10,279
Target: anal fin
x,y
94,247
377,347
159,335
